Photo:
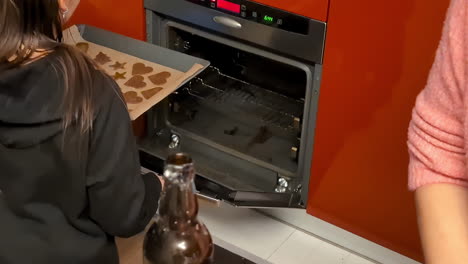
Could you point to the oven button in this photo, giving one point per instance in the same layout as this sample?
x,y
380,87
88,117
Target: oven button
x,y
279,21
213,5
243,7
254,14
243,14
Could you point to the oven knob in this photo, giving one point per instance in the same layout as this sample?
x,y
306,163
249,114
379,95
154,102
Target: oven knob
x,y
175,141
282,185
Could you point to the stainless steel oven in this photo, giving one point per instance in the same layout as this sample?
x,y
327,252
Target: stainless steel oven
x,y
248,120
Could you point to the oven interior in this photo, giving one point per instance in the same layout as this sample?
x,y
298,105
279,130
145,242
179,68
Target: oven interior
x,y
241,118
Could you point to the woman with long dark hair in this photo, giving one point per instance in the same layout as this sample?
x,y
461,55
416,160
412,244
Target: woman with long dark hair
x,y
69,169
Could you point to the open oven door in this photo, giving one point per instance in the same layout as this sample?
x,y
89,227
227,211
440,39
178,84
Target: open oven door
x,y
221,176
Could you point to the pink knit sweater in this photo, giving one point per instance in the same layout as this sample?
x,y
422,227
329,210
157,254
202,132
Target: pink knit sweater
x,y
438,133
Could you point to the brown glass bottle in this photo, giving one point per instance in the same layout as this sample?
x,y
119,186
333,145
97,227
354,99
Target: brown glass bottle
x,y
177,236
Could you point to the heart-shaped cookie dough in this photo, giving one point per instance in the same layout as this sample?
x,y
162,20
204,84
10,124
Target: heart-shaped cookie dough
x,y
132,98
151,92
83,46
159,78
140,69
136,81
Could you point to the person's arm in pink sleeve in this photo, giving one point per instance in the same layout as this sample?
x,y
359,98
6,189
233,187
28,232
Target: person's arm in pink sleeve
x,y
437,146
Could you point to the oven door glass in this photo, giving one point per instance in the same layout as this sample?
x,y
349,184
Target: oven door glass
x,y
241,120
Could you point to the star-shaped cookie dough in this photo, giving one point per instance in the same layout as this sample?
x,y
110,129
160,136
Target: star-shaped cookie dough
x,y
118,76
118,66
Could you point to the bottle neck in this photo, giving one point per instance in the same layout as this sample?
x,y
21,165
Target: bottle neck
x,y
178,202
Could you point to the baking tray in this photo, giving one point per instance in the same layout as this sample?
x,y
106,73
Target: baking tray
x,y
130,50
140,49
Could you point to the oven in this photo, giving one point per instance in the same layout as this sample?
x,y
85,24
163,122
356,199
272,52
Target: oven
x,y
248,120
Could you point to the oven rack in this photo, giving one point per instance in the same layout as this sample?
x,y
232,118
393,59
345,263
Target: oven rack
x,y
232,97
270,107
273,98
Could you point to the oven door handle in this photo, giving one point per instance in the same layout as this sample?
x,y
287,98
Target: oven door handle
x,y
228,22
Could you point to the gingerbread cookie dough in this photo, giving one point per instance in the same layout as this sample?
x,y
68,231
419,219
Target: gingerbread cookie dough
x,y
151,92
102,58
118,66
136,81
132,98
118,76
160,78
83,46
141,69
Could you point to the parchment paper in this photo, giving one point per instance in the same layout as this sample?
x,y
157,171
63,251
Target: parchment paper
x,y
72,36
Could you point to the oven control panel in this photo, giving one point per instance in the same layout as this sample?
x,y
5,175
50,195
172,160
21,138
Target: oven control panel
x,y
259,13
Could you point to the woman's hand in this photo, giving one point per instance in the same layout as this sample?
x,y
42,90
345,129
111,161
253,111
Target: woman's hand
x,y
443,222
161,179
67,8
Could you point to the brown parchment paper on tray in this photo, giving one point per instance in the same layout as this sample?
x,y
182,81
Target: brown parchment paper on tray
x,y
72,36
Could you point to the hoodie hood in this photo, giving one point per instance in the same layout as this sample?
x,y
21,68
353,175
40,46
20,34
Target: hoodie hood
x,y
30,100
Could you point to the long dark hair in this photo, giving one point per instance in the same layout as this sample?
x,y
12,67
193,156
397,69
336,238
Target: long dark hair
x,y
29,26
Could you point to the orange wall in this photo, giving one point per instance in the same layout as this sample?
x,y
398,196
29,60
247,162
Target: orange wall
x,y
377,57
120,16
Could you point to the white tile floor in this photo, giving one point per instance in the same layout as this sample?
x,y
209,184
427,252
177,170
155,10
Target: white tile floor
x,y
246,228
341,237
265,240
301,248
353,259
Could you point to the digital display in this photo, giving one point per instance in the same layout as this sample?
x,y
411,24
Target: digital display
x,y
268,18
226,5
